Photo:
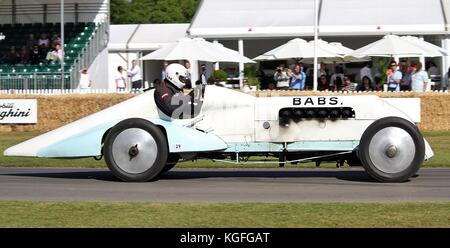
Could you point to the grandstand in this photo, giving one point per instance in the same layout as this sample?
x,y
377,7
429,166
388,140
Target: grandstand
x,y
85,36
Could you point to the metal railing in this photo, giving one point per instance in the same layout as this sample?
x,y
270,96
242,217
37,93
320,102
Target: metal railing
x,y
97,42
33,82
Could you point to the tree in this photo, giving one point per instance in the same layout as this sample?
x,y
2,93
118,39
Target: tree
x,y
152,11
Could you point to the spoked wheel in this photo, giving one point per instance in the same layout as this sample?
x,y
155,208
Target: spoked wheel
x,y
135,150
391,149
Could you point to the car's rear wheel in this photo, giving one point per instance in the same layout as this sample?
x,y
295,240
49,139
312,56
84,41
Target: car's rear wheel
x,y
135,150
391,149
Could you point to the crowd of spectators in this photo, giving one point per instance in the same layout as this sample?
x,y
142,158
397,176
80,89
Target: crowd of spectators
x,y
34,50
298,78
404,76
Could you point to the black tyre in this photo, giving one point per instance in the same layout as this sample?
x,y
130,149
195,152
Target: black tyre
x,y
172,160
391,149
135,150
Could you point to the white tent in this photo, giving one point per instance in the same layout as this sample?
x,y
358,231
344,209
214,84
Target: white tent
x,y
295,18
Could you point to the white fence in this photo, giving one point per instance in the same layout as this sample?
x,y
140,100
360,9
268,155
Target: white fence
x,y
65,91
107,91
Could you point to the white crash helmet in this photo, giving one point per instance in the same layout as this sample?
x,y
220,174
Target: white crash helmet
x,y
178,75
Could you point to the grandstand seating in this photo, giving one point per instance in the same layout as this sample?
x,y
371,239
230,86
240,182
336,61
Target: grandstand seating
x,y
76,36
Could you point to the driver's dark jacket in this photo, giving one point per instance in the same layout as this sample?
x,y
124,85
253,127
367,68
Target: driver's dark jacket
x,y
172,101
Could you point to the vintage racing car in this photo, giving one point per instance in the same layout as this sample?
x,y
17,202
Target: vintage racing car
x,y
139,141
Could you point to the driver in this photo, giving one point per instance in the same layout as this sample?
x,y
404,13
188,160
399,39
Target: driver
x,y
169,94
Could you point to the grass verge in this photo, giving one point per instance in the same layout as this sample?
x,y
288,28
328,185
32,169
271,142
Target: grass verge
x,y
439,141
125,214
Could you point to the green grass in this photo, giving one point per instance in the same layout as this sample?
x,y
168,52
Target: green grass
x,y
120,214
439,141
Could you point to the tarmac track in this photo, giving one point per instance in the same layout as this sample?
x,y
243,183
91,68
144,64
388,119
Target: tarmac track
x,y
222,185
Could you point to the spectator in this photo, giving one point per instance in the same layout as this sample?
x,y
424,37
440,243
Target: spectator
x,y
85,81
271,86
366,71
12,57
187,64
322,70
56,55
204,74
419,79
31,41
394,77
54,39
405,82
366,84
281,77
43,40
43,50
323,84
24,55
446,80
58,52
35,55
378,86
120,79
298,78
434,74
349,85
163,72
337,79
135,75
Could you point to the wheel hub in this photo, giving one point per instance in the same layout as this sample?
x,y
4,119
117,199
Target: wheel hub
x,y
133,152
391,151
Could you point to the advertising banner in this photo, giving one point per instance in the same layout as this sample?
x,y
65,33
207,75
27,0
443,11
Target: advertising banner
x,y
18,111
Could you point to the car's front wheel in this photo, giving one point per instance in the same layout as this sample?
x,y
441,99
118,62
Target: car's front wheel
x,y
172,160
135,150
391,149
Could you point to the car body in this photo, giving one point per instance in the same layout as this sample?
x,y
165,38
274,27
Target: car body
x,y
232,124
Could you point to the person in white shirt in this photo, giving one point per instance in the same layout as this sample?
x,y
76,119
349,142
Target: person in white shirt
x,y
43,40
281,77
366,71
135,75
120,79
85,82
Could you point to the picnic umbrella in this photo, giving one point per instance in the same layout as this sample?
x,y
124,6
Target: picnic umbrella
x,y
196,49
342,51
297,48
431,49
390,46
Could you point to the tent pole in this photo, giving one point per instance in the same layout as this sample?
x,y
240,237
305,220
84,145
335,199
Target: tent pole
x,y
216,65
316,34
62,44
241,64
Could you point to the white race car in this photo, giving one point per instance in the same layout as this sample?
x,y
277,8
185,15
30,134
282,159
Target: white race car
x,y
139,141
